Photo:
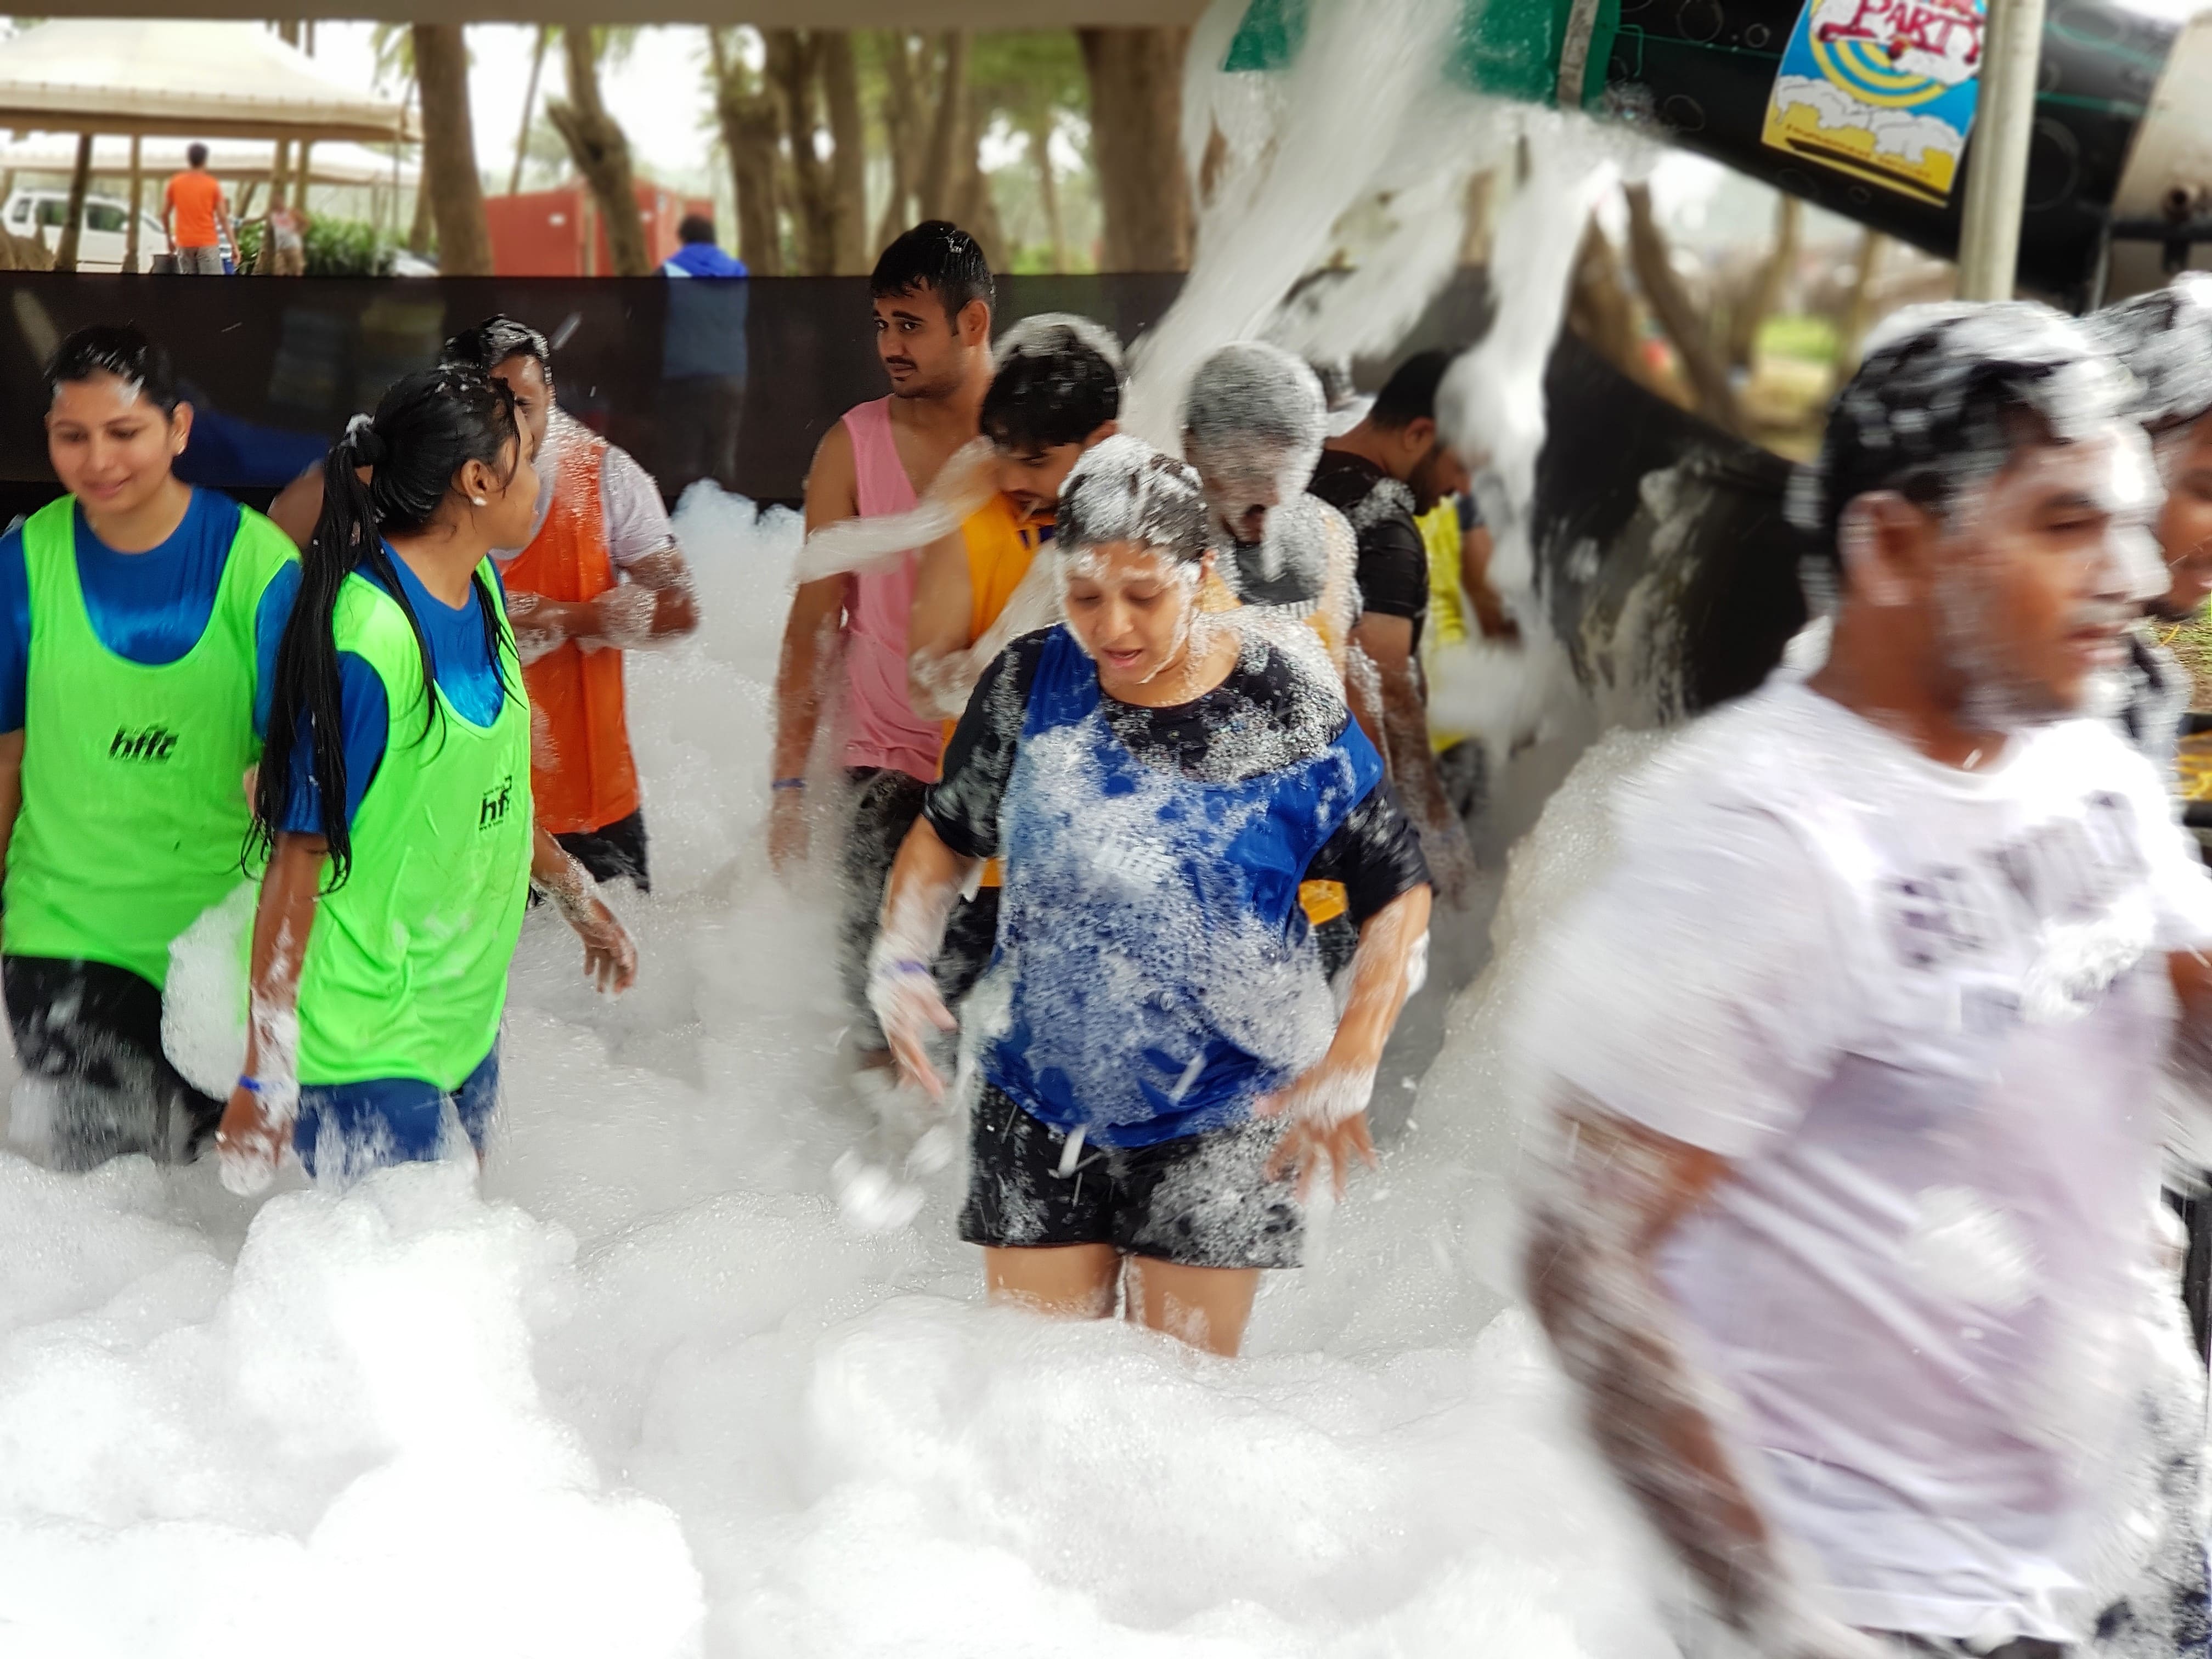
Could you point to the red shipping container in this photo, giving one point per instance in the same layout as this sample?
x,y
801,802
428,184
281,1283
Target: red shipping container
x,y
557,233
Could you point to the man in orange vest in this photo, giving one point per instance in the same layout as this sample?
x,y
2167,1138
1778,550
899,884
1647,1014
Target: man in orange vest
x,y
603,574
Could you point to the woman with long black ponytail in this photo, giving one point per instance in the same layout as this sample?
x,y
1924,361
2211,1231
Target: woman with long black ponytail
x,y
393,803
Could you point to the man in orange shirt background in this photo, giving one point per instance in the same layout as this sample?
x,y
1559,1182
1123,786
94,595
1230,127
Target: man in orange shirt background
x,y
196,215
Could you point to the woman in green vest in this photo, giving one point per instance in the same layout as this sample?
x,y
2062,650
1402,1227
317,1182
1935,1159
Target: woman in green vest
x,y
129,614
394,803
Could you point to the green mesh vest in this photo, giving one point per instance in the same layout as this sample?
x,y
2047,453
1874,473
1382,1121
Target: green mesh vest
x,y
134,815
405,974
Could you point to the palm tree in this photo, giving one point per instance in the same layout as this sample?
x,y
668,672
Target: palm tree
x,y
599,146
450,179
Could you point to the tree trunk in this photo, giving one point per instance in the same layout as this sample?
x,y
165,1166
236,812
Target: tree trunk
x,y
749,130
1766,293
940,168
902,132
601,152
1136,146
1041,130
1858,311
529,104
848,161
449,180
975,208
73,225
793,67
1663,292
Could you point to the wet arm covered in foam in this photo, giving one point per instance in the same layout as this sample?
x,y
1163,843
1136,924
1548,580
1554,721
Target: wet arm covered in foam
x,y
1685,1015
1596,1228
257,1123
939,677
817,609
1388,642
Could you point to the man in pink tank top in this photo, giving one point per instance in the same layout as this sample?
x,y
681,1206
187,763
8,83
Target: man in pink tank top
x,y
933,294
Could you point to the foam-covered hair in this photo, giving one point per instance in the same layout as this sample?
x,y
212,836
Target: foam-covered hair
x,y
1934,405
1125,490
1055,379
2164,340
1252,391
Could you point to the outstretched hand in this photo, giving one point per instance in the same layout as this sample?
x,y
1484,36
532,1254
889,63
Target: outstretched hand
x,y
907,1006
609,957
1326,1107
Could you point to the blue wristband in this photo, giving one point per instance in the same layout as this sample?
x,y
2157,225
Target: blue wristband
x,y
250,1085
788,783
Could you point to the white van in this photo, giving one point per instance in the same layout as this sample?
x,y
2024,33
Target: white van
x,y
99,246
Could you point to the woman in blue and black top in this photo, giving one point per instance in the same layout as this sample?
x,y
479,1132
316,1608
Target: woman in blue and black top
x,y
1162,1067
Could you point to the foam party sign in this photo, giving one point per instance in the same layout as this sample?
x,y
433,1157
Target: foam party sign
x,y
1882,89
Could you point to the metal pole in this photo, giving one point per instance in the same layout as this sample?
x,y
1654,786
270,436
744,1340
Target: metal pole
x,y
131,261
65,253
1996,171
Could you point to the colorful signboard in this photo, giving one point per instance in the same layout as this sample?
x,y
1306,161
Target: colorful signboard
x,y
1881,89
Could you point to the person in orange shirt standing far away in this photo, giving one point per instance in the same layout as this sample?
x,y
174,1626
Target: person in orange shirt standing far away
x,y
196,216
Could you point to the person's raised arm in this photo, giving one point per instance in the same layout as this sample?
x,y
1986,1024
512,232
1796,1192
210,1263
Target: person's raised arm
x,y
1326,1106
654,601
926,879
817,609
939,672
257,1123
1388,641
1614,1195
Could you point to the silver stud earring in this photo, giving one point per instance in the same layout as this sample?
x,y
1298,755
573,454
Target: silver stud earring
x,y
478,500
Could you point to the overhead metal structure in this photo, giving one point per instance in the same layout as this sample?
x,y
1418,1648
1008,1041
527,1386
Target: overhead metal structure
x,y
234,161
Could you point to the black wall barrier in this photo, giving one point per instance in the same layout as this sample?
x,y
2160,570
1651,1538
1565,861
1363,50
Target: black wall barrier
x,y
733,380
739,381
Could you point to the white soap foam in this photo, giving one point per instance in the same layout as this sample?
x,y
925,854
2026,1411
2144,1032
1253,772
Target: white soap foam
x,y
640,1393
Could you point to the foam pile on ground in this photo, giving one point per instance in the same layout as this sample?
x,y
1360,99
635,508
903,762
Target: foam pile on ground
x,y
640,1394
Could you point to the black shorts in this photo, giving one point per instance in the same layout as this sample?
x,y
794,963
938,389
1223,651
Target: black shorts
x,y
613,851
1202,1201
91,1033
884,811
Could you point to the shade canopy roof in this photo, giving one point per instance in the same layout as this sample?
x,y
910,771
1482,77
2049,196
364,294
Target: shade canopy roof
x,y
928,15
334,161
178,78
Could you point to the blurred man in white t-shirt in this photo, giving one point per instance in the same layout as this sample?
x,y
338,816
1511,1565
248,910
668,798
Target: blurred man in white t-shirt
x,y
1848,1229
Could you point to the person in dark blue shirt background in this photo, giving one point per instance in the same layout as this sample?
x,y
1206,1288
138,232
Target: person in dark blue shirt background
x,y
702,359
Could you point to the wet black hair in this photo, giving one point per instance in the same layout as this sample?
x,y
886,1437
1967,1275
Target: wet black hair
x,y
1125,490
493,341
694,228
1410,393
196,155
119,349
940,257
428,427
1052,387
1946,395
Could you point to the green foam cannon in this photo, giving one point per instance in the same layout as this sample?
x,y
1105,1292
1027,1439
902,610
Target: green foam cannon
x,y
1827,99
